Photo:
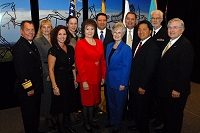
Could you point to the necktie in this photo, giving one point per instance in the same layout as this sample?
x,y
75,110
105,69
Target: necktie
x,y
166,48
154,33
139,46
101,36
129,42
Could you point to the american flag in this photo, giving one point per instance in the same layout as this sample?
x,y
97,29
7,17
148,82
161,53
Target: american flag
x,y
72,8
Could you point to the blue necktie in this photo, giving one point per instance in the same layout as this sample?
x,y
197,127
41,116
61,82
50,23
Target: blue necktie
x,y
101,36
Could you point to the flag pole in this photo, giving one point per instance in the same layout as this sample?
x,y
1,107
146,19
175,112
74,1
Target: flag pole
x,y
126,10
75,8
103,7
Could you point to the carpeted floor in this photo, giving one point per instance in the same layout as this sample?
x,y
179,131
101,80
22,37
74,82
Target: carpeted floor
x,y
11,122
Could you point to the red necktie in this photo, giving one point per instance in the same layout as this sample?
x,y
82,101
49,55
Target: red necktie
x,y
140,45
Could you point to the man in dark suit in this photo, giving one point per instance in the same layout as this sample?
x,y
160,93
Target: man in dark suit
x,y
104,34
145,60
29,83
101,21
160,36
173,83
131,29
130,23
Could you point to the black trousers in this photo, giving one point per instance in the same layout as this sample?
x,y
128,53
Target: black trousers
x,y
159,109
140,107
30,109
173,114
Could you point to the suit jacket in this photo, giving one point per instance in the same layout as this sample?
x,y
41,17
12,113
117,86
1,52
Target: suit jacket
x,y
28,67
90,61
136,39
43,46
118,71
144,65
108,38
175,68
161,38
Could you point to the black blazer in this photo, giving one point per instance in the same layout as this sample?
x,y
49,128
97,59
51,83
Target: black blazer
x,y
144,65
161,38
108,38
136,39
28,66
175,68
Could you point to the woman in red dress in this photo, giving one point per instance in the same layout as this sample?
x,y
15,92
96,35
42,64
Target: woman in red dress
x,y
90,63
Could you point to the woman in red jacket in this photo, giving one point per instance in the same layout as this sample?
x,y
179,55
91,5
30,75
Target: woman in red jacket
x,y
90,63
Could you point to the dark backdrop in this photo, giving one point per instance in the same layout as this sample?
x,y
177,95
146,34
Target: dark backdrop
x,y
187,10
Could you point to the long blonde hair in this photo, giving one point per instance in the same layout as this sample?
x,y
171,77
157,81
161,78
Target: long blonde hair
x,y
43,22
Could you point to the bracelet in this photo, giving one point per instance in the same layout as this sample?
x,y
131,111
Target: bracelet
x,y
55,87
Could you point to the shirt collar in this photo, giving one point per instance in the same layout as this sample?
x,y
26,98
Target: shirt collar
x,y
145,40
174,40
157,29
99,31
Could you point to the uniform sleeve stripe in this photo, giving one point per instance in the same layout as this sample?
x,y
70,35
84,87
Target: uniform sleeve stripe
x,y
27,84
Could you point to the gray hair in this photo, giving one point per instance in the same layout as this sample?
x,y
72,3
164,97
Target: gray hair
x,y
119,25
159,12
182,25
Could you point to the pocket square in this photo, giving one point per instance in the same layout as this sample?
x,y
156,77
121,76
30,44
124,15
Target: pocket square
x,y
160,39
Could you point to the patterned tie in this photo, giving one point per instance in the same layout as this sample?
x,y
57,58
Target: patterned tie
x,y
101,36
129,42
166,48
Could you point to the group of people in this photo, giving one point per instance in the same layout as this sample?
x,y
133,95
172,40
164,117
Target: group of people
x,y
140,66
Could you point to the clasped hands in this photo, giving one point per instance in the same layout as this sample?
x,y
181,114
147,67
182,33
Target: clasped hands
x,y
86,86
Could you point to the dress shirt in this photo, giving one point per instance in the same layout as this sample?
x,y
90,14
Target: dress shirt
x,y
142,44
172,42
99,33
156,31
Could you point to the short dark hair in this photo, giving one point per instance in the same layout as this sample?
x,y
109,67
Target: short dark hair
x,y
131,13
87,22
101,14
70,17
54,34
149,25
26,21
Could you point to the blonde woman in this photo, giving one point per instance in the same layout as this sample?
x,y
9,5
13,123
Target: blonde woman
x,y
43,43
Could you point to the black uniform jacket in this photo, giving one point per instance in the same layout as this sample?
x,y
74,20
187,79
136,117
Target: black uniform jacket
x,y
28,67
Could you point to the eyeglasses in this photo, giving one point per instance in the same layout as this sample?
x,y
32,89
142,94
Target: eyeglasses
x,y
173,28
155,18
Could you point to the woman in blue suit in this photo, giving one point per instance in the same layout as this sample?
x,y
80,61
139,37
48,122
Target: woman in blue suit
x,y
118,63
